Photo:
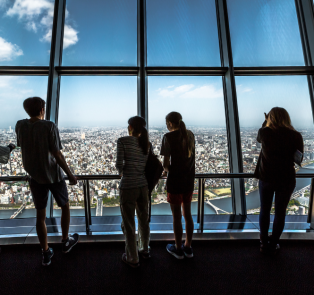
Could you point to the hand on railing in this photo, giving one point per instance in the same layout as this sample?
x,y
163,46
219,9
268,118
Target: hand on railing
x,y
72,179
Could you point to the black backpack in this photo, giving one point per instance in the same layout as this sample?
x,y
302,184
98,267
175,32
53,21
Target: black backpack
x,y
153,170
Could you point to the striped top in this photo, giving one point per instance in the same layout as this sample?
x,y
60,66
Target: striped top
x,y
131,163
4,154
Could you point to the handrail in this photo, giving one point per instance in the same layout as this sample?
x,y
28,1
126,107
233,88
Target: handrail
x,y
198,176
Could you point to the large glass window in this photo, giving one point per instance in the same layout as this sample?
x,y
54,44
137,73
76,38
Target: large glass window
x,y
13,91
182,33
201,104
265,33
100,33
94,112
257,95
25,32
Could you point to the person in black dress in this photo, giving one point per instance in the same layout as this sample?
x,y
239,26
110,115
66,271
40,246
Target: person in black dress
x,y
276,173
178,149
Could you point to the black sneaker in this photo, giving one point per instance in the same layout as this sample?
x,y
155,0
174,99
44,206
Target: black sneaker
x,y
269,247
69,243
177,253
134,265
47,257
188,251
144,254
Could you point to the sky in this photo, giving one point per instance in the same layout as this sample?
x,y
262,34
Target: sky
x,y
179,33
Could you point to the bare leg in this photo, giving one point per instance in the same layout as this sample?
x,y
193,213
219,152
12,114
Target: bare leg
x,y
42,229
65,221
189,224
177,224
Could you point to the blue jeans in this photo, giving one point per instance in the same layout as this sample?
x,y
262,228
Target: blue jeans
x,y
282,193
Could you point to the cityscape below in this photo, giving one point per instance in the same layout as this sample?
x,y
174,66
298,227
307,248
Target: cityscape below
x,y
92,151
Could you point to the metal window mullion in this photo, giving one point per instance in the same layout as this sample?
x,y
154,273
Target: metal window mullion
x,y
231,108
142,99
305,14
54,78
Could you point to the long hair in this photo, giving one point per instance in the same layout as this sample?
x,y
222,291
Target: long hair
x,y
279,117
138,124
176,119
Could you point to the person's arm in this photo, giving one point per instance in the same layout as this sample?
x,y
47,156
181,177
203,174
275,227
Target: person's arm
x,y
259,134
55,149
120,157
11,146
166,152
300,144
166,163
63,164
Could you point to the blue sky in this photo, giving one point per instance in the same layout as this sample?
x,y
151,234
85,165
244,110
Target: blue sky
x,y
180,33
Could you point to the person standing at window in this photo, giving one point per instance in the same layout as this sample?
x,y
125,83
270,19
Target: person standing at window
x,y
42,159
132,154
178,149
276,173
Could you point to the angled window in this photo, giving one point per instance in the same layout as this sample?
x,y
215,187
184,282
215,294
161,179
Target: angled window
x,y
182,33
100,33
93,114
201,104
265,33
13,91
257,95
25,32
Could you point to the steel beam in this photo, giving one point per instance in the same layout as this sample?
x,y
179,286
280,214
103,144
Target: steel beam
x,y
231,108
142,98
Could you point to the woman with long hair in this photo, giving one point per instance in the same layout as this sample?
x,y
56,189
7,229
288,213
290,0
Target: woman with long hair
x,y
276,173
132,154
178,149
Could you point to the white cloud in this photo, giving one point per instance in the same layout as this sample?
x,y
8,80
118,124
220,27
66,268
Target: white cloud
x,y
242,89
5,81
176,91
189,91
38,14
8,51
3,3
205,91
70,36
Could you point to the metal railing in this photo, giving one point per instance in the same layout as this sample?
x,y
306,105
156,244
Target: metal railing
x,y
201,190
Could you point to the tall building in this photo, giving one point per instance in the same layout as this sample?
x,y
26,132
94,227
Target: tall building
x,y
99,206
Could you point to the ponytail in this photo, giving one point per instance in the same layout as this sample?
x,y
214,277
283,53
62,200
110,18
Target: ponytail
x,y
184,136
176,119
138,124
143,141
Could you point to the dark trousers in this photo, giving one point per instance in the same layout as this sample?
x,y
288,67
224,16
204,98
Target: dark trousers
x,y
282,193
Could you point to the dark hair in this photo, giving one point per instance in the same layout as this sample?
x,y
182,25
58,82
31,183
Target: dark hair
x,y
33,106
176,119
279,117
138,124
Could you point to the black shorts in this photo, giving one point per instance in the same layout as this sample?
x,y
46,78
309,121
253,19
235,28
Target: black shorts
x,y
40,193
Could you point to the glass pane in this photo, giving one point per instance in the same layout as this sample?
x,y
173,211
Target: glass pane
x,y
257,95
93,114
25,32
201,104
100,33
76,200
298,205
13,91
16,200
105,197
265,33
182,33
